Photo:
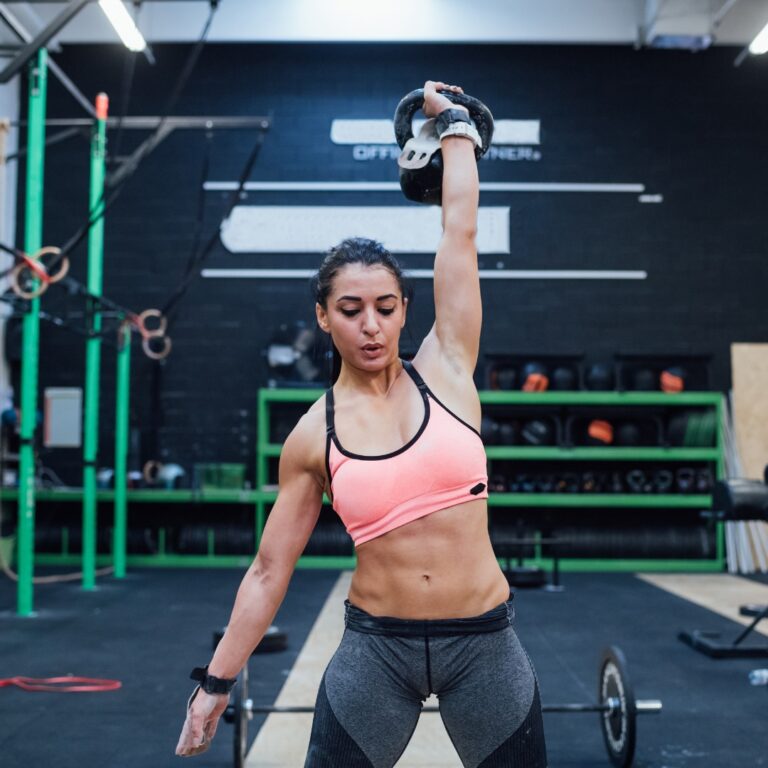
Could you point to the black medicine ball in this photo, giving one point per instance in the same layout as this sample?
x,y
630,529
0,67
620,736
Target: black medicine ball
x,y
643,380
599,377
563,379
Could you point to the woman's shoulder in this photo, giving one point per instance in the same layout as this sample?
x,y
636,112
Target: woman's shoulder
x,y
305,445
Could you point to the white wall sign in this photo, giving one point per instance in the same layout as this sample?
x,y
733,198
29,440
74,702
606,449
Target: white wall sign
x,y
315,229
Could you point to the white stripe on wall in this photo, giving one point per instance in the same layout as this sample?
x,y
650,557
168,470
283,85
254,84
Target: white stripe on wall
x,y
505,132
315,229
485,274
393,186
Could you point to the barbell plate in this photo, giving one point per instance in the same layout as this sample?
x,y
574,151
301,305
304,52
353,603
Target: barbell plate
x,y
242,713
619,725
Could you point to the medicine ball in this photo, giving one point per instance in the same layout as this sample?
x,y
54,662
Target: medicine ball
x,y
537,432
506,378
489,430
599,432
508,433
563,379
599,377
677,428
643,380
628,434
535,378
672,379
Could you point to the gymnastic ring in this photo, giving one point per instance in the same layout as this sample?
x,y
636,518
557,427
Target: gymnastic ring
x,y
35,265
150,353
151,471
14,278
150,333
63,261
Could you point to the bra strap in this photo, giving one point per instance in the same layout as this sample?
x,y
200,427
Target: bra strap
x,y
417,380
329,423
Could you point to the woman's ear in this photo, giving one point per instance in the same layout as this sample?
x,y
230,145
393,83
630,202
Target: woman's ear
x,y
322,317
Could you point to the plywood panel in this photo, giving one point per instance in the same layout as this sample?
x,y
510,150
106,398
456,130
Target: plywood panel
x,y
749,370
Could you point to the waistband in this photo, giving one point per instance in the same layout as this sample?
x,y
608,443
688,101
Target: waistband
x,y
494,620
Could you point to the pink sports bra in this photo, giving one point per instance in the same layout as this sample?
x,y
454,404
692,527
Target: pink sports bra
x,y
443,465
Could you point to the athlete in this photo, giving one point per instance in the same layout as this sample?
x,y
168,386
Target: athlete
x,y
396,447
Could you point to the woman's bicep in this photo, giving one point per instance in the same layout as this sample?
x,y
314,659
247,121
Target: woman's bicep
x,y
295,512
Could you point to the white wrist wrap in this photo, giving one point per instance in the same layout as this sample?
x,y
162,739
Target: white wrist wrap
x,y
465,130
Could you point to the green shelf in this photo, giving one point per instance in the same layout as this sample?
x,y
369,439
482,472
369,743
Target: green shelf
x,y
650,500
554,453
608,500
602,454
599,398
145,495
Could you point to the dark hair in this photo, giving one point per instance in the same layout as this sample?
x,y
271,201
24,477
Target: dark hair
x,y
353,250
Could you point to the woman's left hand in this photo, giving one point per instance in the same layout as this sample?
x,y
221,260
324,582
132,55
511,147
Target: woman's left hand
x,y
434,102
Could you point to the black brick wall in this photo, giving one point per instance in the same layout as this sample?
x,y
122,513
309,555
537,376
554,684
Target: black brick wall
x,y
690,127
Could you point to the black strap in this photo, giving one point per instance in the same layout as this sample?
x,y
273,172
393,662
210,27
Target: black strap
x,y
448,116
417,380
329,424
211,684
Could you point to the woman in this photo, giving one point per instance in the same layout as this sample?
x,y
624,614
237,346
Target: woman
x,y
396,447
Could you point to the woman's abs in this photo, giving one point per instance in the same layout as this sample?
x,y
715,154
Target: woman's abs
x,y
439,566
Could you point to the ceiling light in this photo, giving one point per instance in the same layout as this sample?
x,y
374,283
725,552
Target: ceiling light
x,y
760,43
121,20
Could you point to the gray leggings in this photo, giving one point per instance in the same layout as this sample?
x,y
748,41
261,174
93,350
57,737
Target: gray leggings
x,y
371,693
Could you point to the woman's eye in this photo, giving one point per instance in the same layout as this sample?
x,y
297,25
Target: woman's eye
x,y
353,312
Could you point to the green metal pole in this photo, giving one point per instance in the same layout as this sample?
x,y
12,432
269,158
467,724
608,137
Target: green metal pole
x,y
33,236
121,449
93,345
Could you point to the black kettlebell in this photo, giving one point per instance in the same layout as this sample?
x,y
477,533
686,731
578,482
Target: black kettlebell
x,y
425,185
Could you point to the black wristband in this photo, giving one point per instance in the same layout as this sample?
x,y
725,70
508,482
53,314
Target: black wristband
x,y
448,116
211,684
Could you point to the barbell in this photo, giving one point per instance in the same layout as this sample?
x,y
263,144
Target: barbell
x,y
616,705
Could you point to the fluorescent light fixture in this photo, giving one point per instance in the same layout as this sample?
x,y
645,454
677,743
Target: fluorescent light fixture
x,y
760,43
121,20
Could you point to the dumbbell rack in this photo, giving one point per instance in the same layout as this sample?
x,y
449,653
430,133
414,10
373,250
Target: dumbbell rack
x,y
266,451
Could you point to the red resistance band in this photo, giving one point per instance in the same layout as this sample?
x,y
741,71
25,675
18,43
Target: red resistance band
x,y
62,684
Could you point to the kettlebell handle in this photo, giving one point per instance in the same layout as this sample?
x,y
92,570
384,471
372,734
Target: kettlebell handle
x,y
410,104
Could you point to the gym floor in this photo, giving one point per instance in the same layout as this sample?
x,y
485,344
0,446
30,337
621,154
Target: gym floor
x,y
151,629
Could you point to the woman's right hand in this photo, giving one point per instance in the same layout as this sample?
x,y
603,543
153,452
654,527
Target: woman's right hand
x,y
203,713
434,102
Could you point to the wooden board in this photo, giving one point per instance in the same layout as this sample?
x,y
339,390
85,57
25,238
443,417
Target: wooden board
x,y
749,371
718,592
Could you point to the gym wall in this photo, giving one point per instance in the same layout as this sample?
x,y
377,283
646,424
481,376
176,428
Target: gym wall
x,y
691,128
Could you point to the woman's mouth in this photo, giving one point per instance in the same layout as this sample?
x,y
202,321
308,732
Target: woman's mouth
x,y
372,349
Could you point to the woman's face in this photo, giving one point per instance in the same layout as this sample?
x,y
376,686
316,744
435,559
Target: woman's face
x,y
365,313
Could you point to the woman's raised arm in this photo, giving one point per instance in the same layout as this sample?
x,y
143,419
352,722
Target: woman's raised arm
x,y
458,307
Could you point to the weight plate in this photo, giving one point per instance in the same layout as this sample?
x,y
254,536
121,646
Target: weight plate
x,y
619,725
241,717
